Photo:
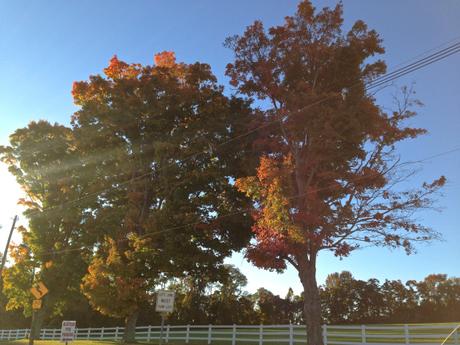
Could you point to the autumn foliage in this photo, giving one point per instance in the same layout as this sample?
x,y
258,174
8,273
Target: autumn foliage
x,y
160,175
328,172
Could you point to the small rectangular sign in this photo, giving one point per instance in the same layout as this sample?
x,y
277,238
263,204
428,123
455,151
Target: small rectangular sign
x,y
36,304
165,301
68,331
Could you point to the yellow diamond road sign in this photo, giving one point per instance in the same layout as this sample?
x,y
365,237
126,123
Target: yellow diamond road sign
x,y
39,290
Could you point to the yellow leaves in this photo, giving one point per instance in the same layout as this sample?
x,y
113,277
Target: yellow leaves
x,y
19,253
249,186
112,278
295,234
275,208
269,190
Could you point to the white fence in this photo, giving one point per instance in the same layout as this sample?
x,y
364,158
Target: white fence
x,y
263,334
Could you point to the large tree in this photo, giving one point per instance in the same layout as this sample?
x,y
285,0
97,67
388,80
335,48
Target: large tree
x,y
41,157
328,173
151,142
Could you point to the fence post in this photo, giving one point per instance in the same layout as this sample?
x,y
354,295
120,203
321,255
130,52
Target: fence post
x,y
363,334
234,335
209,334
102,333
116,333
187,334
406,333
87,333
291,335
167,333
325,334
149,328
261,334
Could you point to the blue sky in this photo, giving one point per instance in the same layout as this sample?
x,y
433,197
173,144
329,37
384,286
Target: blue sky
x,y
45,46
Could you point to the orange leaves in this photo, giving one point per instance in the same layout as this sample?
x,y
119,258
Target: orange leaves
x,y
268,169
165,59
111,278
80,90
119,73
276,228
118,69
28,203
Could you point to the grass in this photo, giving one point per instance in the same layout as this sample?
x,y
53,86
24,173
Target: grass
x,y
101,342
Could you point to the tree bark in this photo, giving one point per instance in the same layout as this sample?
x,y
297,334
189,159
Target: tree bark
x,y
129,335
312,304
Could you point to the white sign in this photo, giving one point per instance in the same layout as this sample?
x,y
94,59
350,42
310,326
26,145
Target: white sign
x,y
68,331
165,301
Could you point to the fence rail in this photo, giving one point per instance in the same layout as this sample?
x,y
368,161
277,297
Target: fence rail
x,y
263,334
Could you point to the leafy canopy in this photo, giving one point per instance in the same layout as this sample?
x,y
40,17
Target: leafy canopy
x,y
326,179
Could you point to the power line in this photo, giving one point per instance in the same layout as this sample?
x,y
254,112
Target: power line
x,y
416,65
455,39
444,53
166,230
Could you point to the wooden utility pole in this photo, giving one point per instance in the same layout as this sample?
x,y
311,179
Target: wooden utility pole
x,y
5,253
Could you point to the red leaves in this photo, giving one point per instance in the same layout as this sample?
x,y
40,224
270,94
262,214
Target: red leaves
x,y
436,183
270,250
343,249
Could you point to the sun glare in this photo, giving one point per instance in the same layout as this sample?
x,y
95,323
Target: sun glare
x,y
11,192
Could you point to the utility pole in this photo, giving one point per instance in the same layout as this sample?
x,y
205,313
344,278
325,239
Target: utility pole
x,y
5,253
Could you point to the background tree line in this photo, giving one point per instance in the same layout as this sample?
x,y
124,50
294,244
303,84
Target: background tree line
x,y
344,299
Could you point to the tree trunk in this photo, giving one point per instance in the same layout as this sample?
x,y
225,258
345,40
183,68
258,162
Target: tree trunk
x,y
129,335
312,304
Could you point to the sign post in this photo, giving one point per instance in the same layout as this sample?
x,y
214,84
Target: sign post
x,y
164,305
39,290
68,331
